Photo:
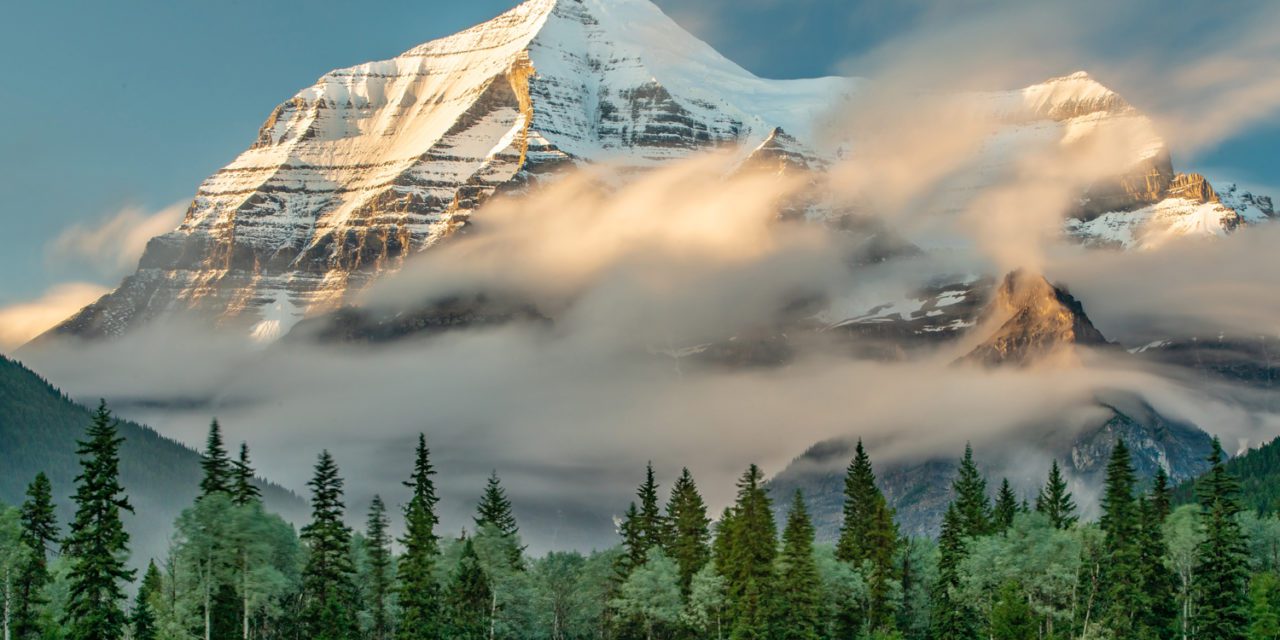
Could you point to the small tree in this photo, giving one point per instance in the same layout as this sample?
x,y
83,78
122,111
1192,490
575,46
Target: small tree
x,y
651,593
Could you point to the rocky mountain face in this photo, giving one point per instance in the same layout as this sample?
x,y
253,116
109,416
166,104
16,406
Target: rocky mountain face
x,y
1036,320
376,162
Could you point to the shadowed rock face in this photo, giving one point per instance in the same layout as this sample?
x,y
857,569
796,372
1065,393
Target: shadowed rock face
x,y
1039,321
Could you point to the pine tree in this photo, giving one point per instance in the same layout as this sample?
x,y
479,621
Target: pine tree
x,y
1005,509
39,535
1055,501
215,463
98,544
690,536
143,619
972,503
379,587
799,586
495,511
868,540
242,487
642,528
1222,560
1158,615
1011,618
951,619
328,587
468,598
1119,523
752,549
721,544
419,592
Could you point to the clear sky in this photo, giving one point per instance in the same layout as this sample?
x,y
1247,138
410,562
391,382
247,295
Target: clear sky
x,y
110,105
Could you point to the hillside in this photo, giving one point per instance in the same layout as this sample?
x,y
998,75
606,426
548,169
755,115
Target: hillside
x,y
39,426
1259,474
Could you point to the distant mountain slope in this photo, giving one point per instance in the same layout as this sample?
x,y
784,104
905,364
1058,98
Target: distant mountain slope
x,y
39,426
1259,474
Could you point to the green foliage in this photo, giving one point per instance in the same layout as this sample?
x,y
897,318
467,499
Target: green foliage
x,y
651,594
242,486
643,528
419,591
751,547
1221,570
1054,500
973,507
377,579
98,543
143,617
1264,607
952,617
495,511
799,587
1011,617
1258,472
469,598
39,538
215,463
690,537
328,590
707,600
868,541
1006,507
1123,598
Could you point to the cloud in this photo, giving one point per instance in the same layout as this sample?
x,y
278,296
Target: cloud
x,y
23,321
113,245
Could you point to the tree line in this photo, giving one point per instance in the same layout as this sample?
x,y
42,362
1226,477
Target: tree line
x,y
1002,568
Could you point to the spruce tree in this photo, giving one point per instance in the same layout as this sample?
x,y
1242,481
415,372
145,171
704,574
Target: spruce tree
x,y
328,587
868,540
39,535
1055,500
379,587
752,550
1158,615
1005,509
1120,526
972,503
643,528
799,585
722,543
242,487
495,511
690,539
215,463
419,592
951,618
1222,559
1011,617
468,598
143,618
97,545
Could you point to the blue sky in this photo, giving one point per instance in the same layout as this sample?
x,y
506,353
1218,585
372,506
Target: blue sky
x,y
132,104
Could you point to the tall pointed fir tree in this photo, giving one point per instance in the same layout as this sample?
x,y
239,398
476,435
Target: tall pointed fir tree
x,y
328,583
1005,509
972,503
722,542
690,536
1055,502
799,585
951,618
419,593
143,618
1157,618
1121,572
868,538
643,528
378,591
752,549
39,535
97,545
495,511
1222,557
242,488
468,598
216,463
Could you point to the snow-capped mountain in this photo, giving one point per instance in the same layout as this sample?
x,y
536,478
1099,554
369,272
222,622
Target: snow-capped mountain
x,y
385,159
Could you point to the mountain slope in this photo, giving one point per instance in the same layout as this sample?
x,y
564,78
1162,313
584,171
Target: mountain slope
x,y
1259,473
39,427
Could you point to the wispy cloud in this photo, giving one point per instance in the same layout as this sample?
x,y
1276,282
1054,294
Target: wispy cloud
x,y
112,245
26,320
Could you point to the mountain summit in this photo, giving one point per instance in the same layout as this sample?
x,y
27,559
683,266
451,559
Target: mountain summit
x,y
1036,320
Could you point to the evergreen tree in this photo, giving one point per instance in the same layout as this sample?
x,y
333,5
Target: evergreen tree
x,y
1055,500
951,618
469,598
1120,526
98,544
1158,615
799,586
495,511
1222,561
868,540
722,542
144,618
39,535
379,587
643,528
972,504
1264,601
1005,509
215,463
690,537
752,549
242,487
419,592
328,589
1011,618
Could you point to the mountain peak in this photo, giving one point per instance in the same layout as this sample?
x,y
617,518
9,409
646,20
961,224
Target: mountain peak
x,y
1036,320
